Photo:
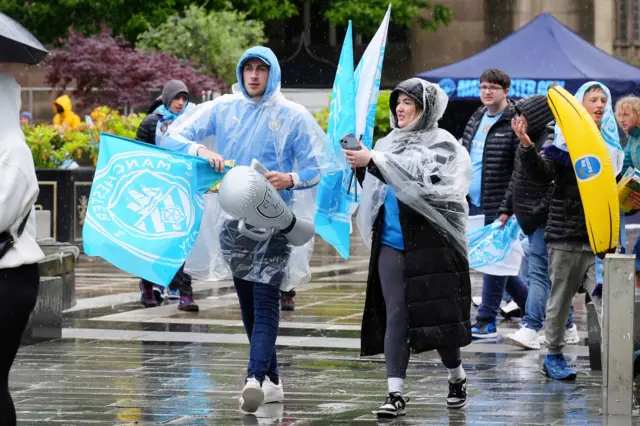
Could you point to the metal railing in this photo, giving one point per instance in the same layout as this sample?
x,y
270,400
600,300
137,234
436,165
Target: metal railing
x,y
29,95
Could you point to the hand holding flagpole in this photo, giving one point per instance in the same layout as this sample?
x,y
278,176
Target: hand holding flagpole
x,y
352,111
357,158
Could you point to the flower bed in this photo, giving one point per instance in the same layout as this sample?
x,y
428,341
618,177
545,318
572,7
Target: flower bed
x,y
52,146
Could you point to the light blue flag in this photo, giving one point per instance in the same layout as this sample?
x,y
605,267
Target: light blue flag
x,y
367,77
333,218
336,199
145,207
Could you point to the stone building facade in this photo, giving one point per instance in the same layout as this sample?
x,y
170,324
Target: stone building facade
x,y
612,25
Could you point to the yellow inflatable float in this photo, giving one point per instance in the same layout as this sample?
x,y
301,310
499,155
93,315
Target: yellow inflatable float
x,y
593,168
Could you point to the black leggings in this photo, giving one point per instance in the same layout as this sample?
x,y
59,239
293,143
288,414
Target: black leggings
x,y
396,336
20,286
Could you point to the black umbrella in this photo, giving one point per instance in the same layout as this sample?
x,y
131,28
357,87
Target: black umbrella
x,y
17,44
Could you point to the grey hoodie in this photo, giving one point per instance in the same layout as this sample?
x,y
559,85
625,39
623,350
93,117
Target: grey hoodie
x,y
171,89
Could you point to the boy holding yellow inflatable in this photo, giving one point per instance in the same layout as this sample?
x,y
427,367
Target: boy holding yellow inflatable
x,y
572,264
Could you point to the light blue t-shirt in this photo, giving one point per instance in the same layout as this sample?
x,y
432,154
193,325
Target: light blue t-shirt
x,y
391,231
476,153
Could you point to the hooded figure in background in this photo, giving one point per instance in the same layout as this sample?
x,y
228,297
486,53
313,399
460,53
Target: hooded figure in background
x,y
256,121
19,273
173,102
413,217
64,116
26,119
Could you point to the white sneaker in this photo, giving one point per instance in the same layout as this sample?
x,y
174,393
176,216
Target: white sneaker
x,y
252,396
524,338
571,335
510,310
272,392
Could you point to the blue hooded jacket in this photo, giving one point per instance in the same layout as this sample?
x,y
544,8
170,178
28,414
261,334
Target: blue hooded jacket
x,y
281,134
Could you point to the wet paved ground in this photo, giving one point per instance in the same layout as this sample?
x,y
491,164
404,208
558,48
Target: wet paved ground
x,y
121,364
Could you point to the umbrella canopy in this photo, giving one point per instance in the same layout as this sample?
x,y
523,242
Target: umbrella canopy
x,y
17,44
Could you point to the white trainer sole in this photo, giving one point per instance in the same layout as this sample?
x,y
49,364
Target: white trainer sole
x,y
251,399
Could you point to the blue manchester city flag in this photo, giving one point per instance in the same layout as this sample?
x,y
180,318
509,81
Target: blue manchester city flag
x,y
145,207
335,196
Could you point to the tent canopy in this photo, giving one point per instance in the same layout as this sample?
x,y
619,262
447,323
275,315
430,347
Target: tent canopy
x,y
540,53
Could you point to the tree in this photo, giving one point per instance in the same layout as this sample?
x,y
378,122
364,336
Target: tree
x,y
107,71
382,123
366,16
49,20
213,41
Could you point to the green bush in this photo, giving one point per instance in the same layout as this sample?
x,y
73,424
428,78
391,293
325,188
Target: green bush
x,y
51,146
212,40
382,124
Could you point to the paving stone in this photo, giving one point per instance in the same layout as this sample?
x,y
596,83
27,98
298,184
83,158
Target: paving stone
x,y
122,364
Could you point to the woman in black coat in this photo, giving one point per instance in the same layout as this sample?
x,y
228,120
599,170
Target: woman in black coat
x,y
413,217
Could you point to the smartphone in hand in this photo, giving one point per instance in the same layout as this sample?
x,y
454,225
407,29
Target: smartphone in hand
x,y
349,142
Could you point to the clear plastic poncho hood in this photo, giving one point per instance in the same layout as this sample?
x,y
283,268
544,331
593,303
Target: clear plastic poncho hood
x,y
427,168
284,137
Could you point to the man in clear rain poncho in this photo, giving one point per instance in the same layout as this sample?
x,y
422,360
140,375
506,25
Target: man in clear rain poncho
x,y
256,121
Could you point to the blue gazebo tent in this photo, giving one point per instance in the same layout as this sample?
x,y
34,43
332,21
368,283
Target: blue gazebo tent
x,y
540,53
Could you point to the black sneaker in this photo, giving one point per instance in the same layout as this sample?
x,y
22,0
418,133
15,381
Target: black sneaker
x,y
146,298
457,397
187,304
286,302
393,406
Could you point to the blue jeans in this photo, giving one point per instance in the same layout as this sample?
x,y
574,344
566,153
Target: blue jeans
x,y
523,274
493,288
260,308
537,276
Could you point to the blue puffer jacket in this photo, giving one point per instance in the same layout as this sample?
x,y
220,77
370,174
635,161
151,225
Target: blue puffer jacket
x,y
281,134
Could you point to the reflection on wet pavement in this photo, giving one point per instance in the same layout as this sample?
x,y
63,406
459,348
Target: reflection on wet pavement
x,y
127,382
121,364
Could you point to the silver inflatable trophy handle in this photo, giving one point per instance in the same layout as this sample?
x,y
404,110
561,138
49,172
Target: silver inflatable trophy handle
x,y
254,235
261,235
258,167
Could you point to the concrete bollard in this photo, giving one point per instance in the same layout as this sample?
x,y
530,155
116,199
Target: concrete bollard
x,y
61,262
618,334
